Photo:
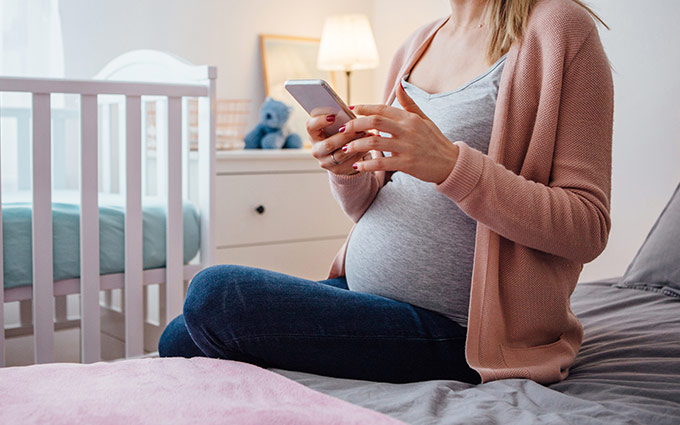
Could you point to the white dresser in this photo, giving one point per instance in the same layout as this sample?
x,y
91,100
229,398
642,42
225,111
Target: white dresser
x,y
274,210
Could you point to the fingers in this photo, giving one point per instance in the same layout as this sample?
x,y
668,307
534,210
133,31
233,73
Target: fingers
x,y
374,142
382,110
324,147
317,123
344,162
378,164
407,103
374,122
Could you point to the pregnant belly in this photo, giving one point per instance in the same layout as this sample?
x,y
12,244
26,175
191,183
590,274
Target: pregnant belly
x,y
413,246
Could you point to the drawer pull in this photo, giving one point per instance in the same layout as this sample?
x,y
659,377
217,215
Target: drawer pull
x,y
260,209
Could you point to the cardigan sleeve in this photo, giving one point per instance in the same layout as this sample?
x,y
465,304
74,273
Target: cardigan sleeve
x,y
354,193
569,216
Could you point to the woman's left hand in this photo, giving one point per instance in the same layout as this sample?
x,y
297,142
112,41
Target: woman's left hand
x,y
418,147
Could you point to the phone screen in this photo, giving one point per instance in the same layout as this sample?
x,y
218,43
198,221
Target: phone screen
x,y
317,97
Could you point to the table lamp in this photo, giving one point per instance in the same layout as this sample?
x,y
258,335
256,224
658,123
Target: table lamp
x,y
347,44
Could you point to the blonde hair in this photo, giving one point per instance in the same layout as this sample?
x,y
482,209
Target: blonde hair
x,y
507,20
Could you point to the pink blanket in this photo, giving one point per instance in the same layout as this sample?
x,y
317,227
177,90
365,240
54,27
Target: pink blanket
x,y
167,391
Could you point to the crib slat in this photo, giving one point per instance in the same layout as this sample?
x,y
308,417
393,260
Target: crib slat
x,y
2,272
207,114
43,289
90,322
174,224
134,324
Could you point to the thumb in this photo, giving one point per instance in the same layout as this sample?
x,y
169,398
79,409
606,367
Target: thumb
x,y
407,103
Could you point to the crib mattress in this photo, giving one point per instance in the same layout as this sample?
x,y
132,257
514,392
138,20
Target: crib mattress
x,y
17,243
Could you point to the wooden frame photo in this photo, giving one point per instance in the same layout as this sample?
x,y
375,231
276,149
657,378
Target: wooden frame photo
x,y
286,58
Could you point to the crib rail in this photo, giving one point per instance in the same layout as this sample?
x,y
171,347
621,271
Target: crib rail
x,y
90,279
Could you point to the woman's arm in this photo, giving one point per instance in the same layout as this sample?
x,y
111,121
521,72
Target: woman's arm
x,y
569,216
354,193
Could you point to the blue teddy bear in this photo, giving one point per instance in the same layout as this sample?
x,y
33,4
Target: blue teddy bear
x,y
271,131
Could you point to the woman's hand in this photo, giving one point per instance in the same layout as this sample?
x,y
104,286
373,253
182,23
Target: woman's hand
x,y
418,147
327,150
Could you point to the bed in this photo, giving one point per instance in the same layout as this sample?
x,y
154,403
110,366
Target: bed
x,y
627,371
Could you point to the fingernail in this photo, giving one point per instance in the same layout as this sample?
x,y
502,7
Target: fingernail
x,y
330,118
344,148
355,166
341,129
351,108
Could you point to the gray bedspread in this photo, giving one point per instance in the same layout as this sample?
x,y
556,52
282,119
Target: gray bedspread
x,y
627,372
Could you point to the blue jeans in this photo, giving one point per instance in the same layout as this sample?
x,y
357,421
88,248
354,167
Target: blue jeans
x,y
274,320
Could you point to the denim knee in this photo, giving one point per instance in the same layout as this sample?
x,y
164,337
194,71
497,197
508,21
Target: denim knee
x,y
176,341
208,295
202,294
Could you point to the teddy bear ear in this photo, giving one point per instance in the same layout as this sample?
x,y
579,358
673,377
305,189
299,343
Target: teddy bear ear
x,y
290,109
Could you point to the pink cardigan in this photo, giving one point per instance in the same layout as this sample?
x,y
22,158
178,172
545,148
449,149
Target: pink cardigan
x,y
540,196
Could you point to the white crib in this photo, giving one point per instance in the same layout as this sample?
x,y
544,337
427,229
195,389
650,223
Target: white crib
x,y
173,81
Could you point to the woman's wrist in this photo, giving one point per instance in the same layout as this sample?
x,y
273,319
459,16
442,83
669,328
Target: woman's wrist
x,y
449,163
346,179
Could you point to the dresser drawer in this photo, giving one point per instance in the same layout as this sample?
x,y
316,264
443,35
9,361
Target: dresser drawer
x,y
309,259
264,208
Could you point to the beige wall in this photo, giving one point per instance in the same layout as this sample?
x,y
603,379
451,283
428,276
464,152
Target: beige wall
x,y
216,32
394,21
225,33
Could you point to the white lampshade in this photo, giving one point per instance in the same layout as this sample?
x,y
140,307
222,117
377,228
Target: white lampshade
x,y
347,44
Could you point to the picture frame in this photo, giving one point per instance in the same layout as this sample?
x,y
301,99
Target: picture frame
x,y
286,58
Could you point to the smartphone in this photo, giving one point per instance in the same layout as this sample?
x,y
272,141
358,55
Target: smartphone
x,y
317,97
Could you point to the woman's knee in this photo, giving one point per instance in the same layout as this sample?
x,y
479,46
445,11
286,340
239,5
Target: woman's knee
x,y
176,341
214,293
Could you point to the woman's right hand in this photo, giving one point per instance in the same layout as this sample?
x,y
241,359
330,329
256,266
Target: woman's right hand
x,y
323,147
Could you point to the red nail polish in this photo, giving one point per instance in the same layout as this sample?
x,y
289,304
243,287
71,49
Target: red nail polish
x,y
351,108
355,166
341,129
344,148
330,118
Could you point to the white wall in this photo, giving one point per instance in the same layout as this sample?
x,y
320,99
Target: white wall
x,y
215,32
643,49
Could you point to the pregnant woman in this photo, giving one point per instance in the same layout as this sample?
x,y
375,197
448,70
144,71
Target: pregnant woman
x,y
479,191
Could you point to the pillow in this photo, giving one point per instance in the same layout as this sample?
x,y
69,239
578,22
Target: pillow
x,y
656,266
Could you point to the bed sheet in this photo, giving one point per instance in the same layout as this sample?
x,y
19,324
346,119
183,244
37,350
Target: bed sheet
x,y
17,244
627,372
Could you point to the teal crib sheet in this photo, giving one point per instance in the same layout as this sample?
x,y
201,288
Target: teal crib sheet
x,y
17,243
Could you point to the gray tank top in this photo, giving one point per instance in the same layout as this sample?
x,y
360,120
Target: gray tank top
x,y
414,244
